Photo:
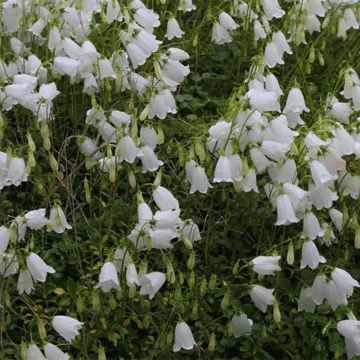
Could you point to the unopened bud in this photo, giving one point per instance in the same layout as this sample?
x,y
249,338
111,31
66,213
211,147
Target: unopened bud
x,y
290,257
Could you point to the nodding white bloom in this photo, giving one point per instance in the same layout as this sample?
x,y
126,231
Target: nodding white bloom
x,y
228,169
306,302
66,326
121,259
184,338
322,196
344,282
190,230
58,222
266,265
320,173
128,150
197,177
262,297
220,35
66,66
227,22
241,325
36,219
311,226
164,199
161,104
151,283
4,238
52,352
337,218
272,9
108,278
310,256
113,11
341,111
285,210
34,353
131,275
272,56
38,268
186,5
318,289
149,159
173,29
334,297
89,148
350,329
25,282
17,171
295,102
263,100
145,17
259,32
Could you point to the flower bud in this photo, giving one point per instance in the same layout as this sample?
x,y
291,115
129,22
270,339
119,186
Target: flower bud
x,y
53,163
195,309
170,272
200,150
357,238
212,282
87,191
191,280
132,179
225,301
203,285
41,329
290,257
96,301
212,343
191,261
276,312
101,353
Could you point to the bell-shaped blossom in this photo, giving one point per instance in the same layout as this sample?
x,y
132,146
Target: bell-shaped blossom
x,y
306,302
272,9
190,230
285,210
318,289
186,5
150,161
241,325
58,222
161,104
34,353
38,268
128,150
220,35
322,196
262,297
108,278
295,102
272,56
350,329
36,219
25,282
310,256
266,265
228,169
264,101
173,29
151,283
131,275
164,199
4,238
197,177
8,264
66,326
311,226
336,218
344,282
184,338
17,171
52,352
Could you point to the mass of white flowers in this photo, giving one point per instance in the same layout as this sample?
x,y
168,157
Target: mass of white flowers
x,y
87,89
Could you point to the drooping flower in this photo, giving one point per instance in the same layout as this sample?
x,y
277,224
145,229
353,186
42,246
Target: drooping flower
x,y
184,338
310,256
350,329
266,265
262,297
173,29
151,283
52,352
241,325
58,220
38,268
108,278
34,353
306,302
66,326
25,282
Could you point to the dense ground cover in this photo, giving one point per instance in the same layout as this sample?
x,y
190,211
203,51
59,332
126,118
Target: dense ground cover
x,y
179,179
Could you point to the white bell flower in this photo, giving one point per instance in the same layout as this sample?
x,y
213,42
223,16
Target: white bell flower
x,y
184,338
66,326
38,268
262,297
151,283
266,265
108,278
241,325
173,29
310,255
